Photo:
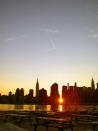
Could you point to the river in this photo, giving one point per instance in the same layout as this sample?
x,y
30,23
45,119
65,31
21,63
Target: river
x,y
64,108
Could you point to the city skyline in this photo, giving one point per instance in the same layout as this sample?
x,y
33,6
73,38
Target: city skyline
x,y
54,40
37,87
71,94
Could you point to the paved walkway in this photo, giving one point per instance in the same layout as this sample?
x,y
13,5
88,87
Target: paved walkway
x,y
10,127
26,127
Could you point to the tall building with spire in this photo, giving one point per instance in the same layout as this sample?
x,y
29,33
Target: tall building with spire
x,y
92,84
37,88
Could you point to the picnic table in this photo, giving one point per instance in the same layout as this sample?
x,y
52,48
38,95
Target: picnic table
x,y
19,118
78,117
58,123
94,124
87,120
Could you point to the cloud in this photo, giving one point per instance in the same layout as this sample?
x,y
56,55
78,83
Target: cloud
x,y
15,38
91,31
11,38
93,36
49,30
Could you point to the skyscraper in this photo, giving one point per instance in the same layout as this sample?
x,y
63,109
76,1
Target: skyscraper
x,y
92,84
97,85
54,93
19,95
43,96
37,88
64,94
31,93
75,85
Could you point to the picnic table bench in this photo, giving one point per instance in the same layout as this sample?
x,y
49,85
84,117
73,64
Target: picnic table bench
x,y
19,118
94,124
82,118
58,123
87,120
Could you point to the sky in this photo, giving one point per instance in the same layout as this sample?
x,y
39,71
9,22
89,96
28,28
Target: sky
x,y
54,40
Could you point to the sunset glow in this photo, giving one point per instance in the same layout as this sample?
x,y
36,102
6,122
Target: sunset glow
x,y
61,100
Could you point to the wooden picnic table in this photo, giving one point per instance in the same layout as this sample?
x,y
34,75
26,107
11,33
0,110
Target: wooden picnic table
x,y
94,124
94,113
18,115
78,117
19,118
58,123
53,119
88,120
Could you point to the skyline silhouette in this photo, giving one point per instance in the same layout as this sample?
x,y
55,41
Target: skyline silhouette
x,y
71,94
37,87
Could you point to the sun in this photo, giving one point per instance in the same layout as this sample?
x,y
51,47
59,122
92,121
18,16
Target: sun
x,y
60,100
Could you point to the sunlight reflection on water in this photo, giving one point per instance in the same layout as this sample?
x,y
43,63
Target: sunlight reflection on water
x,y
60,108
64,108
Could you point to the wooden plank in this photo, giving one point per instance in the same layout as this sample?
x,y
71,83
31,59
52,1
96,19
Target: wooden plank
x,y
53,119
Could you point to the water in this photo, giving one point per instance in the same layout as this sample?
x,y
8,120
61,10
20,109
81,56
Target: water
x,y
12,107
9,107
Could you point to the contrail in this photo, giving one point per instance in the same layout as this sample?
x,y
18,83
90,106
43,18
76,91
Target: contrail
x,y
52,44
